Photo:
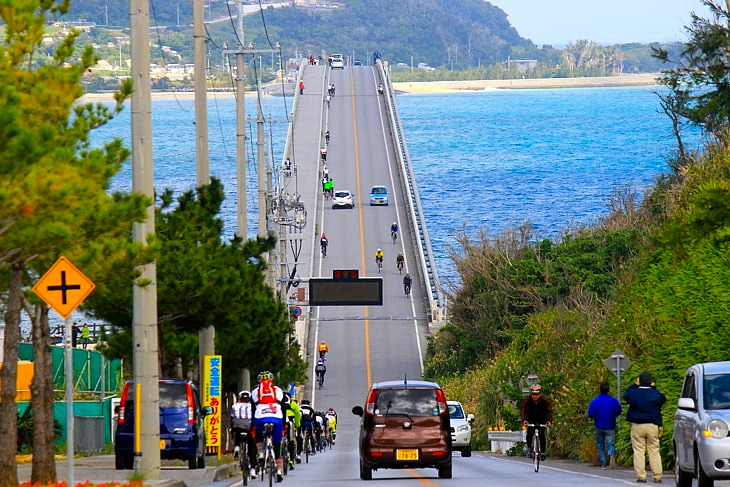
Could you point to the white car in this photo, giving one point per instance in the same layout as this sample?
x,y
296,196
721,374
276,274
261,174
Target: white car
x,y
460,428
337,61
343,199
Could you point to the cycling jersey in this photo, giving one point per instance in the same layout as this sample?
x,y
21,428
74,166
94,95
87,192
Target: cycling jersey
x,y
378,255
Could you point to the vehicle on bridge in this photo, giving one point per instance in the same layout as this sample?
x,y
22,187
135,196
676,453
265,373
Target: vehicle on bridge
x,y
702,426
343,198
337,61
405,424
378,195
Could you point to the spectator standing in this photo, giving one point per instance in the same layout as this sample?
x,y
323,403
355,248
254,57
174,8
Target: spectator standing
x,y
74,334
85,336
603,410
645,415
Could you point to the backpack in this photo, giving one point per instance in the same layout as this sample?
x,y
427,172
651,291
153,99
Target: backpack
x,y
267,394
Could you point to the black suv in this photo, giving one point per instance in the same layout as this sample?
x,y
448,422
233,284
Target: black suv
x,y
405,424
182,435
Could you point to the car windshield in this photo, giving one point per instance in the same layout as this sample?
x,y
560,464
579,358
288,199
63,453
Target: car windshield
x,y
717,391
379,190
341,194
173,395
411,402
455,411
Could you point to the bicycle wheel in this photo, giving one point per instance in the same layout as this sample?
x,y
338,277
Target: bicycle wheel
x,y
307,446
536,450
244,462
271,467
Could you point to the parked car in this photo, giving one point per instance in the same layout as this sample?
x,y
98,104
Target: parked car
x,y
405,424
701,426
379,195
460,428
182,435
342,198
337,61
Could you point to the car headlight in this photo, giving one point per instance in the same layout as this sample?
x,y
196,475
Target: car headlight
x,y
463,428
717,428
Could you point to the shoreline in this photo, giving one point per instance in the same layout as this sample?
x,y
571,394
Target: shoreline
x,y
441,87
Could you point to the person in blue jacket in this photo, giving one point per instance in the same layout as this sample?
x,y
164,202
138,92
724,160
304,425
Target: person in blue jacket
x,y
645,416
603,410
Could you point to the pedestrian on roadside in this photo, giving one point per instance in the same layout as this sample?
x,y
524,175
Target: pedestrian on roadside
x,y
85,336
645,416
301,86
603,410
74,334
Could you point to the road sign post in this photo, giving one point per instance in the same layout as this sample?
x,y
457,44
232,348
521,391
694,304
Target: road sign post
x,y
63,287
617,363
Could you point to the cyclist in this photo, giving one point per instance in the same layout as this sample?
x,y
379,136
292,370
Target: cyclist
x,y
320,370
394,231
307,421
327,137
269,409
407,282
293,417
400,261
241,416
323,242
323,349
331,416
379,258
536,409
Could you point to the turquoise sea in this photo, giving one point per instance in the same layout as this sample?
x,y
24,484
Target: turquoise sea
x,y
489,159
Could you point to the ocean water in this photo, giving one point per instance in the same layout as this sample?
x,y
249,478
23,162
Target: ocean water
x,y
490,159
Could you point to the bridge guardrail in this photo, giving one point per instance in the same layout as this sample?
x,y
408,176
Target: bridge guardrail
x,y
436,300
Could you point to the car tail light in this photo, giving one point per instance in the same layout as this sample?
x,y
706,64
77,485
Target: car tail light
x,y
441,399
123,404
370,403
191,411
439,453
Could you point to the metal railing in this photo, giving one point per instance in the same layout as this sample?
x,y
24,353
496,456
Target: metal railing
x,y
436,300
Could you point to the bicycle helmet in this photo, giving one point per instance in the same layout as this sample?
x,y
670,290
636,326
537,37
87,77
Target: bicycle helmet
x,y
305,402
536,389
379,250
395,223
243,395
265,375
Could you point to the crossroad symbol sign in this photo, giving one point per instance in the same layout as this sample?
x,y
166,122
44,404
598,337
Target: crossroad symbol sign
x,y
617,362
63,287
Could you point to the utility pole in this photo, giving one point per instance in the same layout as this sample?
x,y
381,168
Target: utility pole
x,y
144,320
206,336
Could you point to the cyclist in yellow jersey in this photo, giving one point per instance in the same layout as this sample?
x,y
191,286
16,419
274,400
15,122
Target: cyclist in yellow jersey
x,y
378,254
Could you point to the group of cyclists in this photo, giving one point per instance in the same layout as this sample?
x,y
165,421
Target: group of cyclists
x,y
400,260
268,410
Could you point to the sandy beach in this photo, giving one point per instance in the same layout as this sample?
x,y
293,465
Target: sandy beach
x,y
444,86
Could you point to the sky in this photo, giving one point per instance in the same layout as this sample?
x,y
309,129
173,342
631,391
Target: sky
x,y
559,22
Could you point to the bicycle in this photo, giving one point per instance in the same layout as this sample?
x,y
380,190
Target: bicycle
x,y
243,459
267,465
307,443
394,236
379,261
536,451
399,265
407,288
320,380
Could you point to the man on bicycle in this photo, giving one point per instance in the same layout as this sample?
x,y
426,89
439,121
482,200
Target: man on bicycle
x,y
323,242
537,410
407,282
400,261
331,417
294,418
269,409
241,417
379,257
307,421
320,370
323,349
394,231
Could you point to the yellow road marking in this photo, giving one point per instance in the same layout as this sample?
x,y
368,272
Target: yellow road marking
x,y
421,479
362,233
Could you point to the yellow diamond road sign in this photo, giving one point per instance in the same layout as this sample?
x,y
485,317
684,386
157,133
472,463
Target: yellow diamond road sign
x,y
63,287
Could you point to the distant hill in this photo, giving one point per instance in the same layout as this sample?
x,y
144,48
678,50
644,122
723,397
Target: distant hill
x,y
456,34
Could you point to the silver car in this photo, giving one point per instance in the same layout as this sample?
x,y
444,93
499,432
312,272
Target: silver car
x,y
701,441
460,428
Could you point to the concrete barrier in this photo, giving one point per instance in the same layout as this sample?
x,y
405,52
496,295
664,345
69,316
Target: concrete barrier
x,y
501,441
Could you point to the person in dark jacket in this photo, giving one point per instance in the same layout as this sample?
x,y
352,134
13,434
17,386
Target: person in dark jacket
x,y
604,409
645,416
536,409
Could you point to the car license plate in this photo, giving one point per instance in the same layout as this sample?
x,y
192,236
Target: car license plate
x,y
162,444
406,454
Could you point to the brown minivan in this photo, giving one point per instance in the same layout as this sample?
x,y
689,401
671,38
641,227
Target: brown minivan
x,y
405,424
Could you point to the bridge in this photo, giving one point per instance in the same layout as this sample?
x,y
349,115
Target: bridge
x,y
367,147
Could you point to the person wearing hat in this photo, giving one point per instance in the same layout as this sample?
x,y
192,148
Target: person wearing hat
x,y
241,416
645,415
536,410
